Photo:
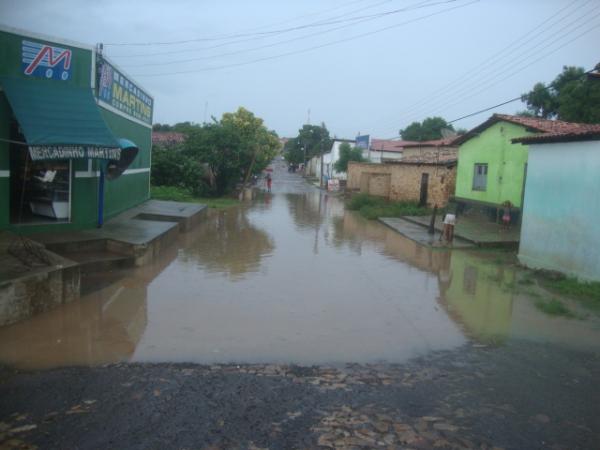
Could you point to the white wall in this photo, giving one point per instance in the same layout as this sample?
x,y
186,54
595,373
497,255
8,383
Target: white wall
x,y
561,213
375,156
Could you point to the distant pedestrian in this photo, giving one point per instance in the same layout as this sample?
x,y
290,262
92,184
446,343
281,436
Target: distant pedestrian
x,y
449,223
269,182
506,215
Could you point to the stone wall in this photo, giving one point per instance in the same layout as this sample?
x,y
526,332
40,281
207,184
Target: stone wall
x,y
404,181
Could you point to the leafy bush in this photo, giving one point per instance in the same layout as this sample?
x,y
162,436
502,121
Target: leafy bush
x,y
375,207
554,307
171,167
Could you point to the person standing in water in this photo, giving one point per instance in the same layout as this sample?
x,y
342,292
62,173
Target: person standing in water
x,y
269,182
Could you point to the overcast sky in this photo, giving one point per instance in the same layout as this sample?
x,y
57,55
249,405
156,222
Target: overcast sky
x,y
423,58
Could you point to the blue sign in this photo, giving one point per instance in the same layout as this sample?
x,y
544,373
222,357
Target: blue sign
x,y
45,61
363,141
116,90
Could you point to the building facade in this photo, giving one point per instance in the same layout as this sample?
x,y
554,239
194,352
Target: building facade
x,y
75,135
561,211
427,183
491,168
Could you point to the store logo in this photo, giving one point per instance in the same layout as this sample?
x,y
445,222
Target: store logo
x,y
46,61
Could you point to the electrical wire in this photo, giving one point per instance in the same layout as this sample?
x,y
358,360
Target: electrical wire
x,y
369,18
490,62
305,50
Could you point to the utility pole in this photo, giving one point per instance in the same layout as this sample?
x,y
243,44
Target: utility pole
x,y
322,153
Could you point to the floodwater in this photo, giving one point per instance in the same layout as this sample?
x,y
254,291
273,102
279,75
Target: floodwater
x,y
293,278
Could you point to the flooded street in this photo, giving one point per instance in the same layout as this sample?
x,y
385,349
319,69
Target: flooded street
x,y
292,278
288,322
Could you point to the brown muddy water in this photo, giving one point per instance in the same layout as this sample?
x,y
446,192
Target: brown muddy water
x,y
294,278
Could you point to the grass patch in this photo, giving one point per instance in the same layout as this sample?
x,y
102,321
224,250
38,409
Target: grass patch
x,y
177,194
586,293
553,307
375,207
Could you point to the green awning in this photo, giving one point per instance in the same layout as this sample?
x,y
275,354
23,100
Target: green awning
x,y
59,120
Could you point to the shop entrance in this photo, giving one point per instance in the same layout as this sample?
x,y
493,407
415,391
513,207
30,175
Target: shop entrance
x,y
40,191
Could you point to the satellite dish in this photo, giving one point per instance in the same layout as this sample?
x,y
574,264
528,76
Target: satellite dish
x,y
448,133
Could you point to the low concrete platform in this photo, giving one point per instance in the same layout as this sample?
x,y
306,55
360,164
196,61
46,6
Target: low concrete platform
x,y
139,232
419,234
29,284
134,238
478,231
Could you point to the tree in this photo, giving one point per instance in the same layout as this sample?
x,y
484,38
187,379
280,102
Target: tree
x,y
232,147
347,154
572,96
312,138
431,128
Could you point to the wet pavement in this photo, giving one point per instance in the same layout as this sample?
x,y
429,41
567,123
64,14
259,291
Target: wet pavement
x,y
289,322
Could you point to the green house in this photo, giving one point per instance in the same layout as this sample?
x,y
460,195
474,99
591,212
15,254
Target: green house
x,y
75,135
491,169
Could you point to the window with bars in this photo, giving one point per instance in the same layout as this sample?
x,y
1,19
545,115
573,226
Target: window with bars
x,y
480,177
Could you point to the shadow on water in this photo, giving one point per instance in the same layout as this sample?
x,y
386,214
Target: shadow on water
x,y
292,277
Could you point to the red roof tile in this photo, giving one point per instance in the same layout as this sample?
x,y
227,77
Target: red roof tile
x,y
575,132
446,142
388,145
167,137
533,123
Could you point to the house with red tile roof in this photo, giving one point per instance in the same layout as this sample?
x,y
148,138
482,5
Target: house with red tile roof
x,y
492,169
381,150
561,209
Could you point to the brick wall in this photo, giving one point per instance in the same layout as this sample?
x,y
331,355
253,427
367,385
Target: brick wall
x,y
404,181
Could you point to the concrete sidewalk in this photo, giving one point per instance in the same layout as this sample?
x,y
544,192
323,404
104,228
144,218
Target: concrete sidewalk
x,y
478,231
420,234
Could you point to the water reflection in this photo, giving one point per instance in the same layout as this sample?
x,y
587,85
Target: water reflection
x,y
292,278
229,243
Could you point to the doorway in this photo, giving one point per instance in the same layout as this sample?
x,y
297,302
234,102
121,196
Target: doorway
x,y
424,189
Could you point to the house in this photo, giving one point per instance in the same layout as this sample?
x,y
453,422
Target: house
x,y
385,150
167,138
75,135
434,150
329,160
427,181
561,211
491,168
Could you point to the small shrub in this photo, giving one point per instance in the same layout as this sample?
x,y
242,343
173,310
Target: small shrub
x,y
374,207
554,307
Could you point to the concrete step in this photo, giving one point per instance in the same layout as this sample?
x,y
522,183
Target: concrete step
x,y
99,260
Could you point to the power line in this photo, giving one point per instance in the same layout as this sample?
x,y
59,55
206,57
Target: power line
x,y
236,52
238,41
311,48
485,65
546,87
234,36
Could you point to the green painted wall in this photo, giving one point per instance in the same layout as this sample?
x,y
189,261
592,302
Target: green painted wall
x,y
506,165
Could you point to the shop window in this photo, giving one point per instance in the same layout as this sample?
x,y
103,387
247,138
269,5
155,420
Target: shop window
x,y
480,177
40,191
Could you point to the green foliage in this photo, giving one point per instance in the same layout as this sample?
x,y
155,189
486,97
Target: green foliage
x,y
588,294
553,307
180,127
231,147
314,138
431,128
172,167
375,207
572,96
177,194
347,154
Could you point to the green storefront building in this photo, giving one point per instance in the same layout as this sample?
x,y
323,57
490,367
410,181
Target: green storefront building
x,y
75,135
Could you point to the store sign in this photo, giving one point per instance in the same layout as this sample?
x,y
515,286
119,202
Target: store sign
x,y
118,91
45,61
362,141
333,185
46,152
